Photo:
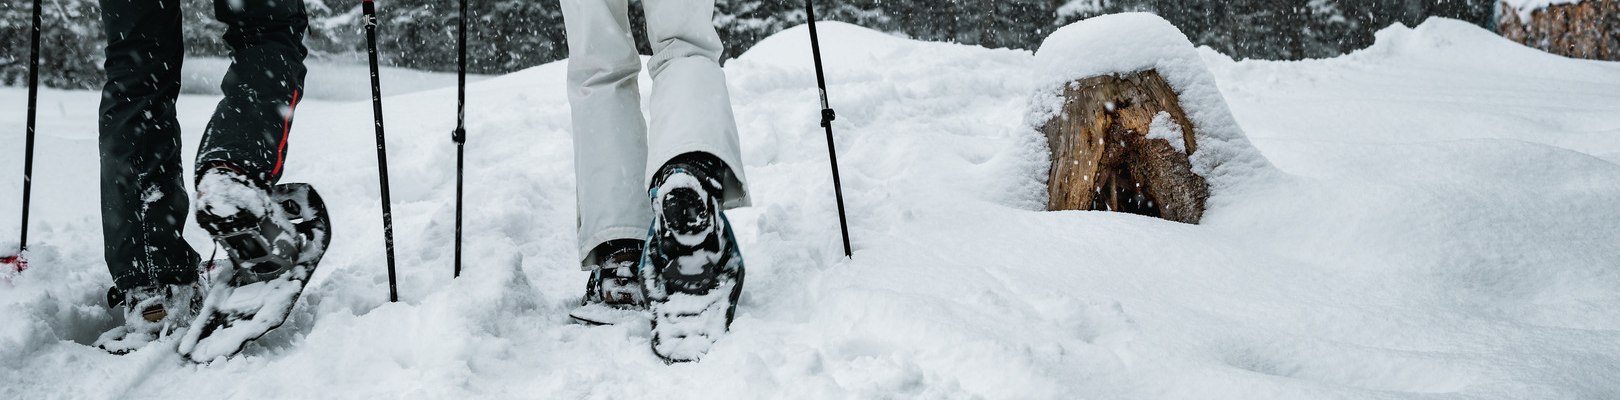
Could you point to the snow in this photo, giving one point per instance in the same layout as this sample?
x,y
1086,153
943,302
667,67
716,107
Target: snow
x,y
1120,44
327,80
1164,127
685,181
1440,223
226,194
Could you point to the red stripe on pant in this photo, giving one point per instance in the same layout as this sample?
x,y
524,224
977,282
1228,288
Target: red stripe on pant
x,y
286,126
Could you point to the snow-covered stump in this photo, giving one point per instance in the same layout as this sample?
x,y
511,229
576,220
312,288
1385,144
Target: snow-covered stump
x,y
1118,145
1134,121
1587,29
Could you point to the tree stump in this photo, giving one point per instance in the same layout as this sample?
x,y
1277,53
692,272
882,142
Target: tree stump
x,y
1587,29
1112,149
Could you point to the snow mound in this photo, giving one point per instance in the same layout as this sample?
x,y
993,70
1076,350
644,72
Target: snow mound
x,y
839,41
1450,41
1121,44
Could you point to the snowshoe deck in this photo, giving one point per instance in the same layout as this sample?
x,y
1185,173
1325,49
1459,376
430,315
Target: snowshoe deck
x,y
684,324
238,311
604,314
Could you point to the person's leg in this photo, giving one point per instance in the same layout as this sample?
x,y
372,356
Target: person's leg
x,y
691,108
610,135
262,88
696,171
143,199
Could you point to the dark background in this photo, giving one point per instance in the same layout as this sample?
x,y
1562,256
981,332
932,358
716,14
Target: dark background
x,y
509,35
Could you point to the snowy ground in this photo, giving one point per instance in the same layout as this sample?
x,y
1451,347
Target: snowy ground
x,y
1444,226
326,80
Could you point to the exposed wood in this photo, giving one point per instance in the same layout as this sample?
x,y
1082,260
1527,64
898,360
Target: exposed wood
x,y
1102,158
1588,29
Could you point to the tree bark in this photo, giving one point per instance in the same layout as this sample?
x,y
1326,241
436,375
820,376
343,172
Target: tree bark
x,y
1588,29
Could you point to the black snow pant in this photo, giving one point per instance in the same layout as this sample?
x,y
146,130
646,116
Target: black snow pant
x,y
143,198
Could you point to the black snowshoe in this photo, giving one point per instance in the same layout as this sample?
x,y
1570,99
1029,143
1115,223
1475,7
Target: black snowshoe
x,y
273,255
613,295
691,269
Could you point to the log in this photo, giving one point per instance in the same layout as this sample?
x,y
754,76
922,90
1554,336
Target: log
x,y
1111,149
1587,29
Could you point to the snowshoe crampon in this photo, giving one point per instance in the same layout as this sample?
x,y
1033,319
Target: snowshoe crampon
x,y
272,261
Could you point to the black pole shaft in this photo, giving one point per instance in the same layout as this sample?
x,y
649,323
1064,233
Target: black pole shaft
x,y
827,116
460,135
28,155
382,149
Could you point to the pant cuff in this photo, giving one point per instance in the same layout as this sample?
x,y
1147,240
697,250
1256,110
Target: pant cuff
x,y
591,242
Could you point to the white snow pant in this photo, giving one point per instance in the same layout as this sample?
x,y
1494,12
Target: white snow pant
x,y
616,152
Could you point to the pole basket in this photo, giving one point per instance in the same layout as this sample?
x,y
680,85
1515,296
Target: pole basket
x,y
15,263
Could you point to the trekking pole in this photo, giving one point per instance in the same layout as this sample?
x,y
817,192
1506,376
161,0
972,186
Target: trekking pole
x,y
19,261
460,134
382,150
827,116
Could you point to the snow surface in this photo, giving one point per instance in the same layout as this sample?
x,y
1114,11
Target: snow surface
x,y
1164,127
1442,225
327,80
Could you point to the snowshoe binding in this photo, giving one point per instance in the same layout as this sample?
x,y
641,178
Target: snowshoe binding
x,y
150,313
613,294
691,270
274,239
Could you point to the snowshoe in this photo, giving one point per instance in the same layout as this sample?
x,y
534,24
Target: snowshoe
x,y
274,241
613,294
691,270
150,313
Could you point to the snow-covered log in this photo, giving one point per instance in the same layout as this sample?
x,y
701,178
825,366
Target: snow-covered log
x,y
1118,145
1573,28
1134,121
